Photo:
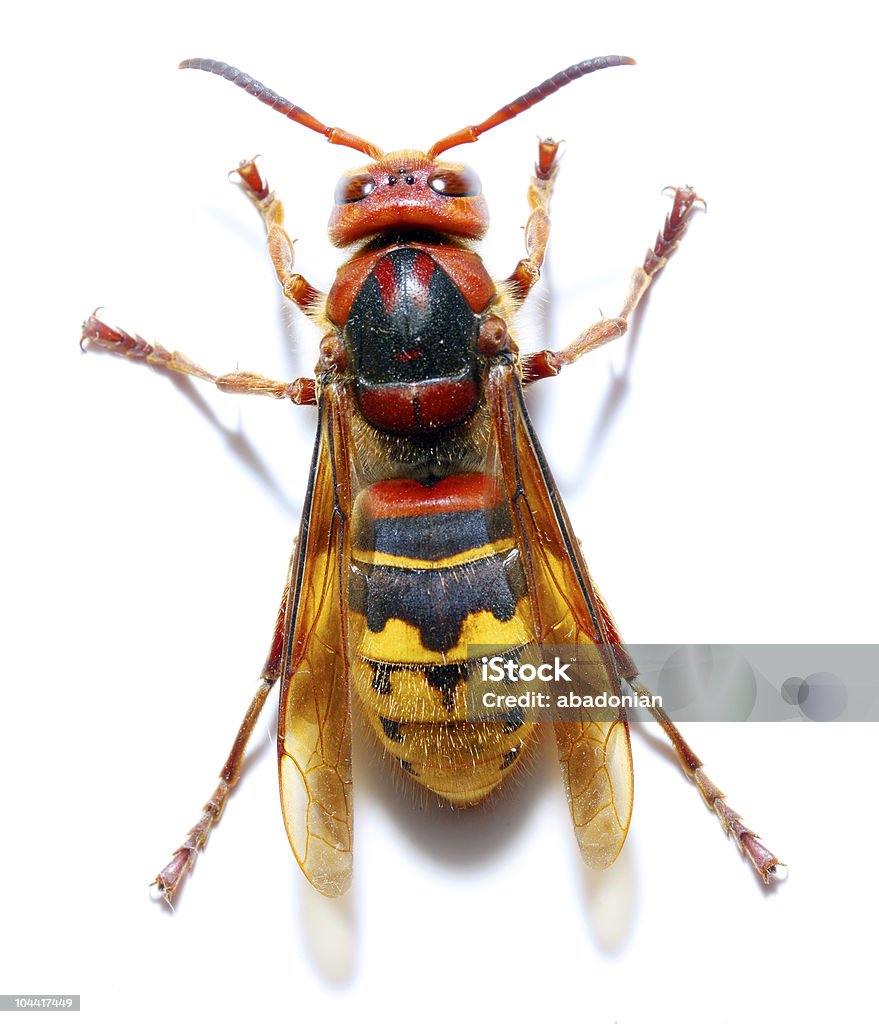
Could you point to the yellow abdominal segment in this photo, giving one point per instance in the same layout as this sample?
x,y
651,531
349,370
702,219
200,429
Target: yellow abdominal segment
x,y
421,720
400,642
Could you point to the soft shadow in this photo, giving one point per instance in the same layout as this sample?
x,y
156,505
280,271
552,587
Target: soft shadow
x,y
615,396
611,898
616,390
658,744
545,320
459,838
235,441
330,930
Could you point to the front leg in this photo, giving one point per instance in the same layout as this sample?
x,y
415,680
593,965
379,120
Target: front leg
x,y
527,272
549,363
295,286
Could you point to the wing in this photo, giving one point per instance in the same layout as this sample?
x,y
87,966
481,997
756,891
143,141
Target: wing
x,y
594,751
314,725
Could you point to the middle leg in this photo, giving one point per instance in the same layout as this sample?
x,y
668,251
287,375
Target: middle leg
x,y
95,332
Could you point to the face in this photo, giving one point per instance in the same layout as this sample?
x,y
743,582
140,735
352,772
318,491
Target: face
x,y
408,190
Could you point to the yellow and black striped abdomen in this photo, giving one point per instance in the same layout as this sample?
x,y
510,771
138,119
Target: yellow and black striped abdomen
x,y
435,569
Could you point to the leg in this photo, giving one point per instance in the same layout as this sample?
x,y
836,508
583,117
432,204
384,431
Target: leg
x,y
295,287
527,271
766,864
95,332
548,363
183,859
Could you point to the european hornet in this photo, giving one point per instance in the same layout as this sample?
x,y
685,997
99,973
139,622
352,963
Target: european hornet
x,y
431,523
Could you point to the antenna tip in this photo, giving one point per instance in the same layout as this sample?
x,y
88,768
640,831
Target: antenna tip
x,y
623,60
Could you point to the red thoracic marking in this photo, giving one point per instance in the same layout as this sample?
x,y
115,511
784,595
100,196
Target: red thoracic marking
x,y
409,355
421,272
387,283
417,283
464,267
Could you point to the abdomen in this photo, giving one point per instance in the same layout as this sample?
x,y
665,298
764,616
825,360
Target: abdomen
x,y
435,570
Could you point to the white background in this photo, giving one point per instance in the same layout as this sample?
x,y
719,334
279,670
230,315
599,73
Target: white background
x,y
719,466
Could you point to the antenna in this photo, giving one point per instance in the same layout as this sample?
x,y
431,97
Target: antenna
x,y
337,136
523,103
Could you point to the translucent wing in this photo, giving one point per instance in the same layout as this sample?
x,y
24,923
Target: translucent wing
x,y
314,725
594,752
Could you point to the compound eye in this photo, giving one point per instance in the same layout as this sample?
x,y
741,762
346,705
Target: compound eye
x,y
458,183
354,187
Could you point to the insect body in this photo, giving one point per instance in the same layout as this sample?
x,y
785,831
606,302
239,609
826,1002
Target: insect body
x,y
432,525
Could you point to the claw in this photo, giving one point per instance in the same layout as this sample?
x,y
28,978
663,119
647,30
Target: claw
x,y
96,332
765,863
250,179
686,195
169,878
